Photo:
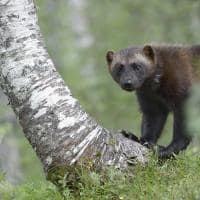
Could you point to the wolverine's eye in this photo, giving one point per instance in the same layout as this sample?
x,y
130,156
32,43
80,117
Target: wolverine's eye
x,y
135,67
121,67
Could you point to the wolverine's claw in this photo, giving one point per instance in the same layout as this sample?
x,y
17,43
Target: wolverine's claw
x,y
130,136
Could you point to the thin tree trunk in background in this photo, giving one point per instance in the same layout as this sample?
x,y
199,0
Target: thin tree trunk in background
x,y
83,39
58,129
10,158
79,24
8,145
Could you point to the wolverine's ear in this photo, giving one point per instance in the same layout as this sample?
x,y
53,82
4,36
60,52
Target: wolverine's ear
x,y
109,57
149,52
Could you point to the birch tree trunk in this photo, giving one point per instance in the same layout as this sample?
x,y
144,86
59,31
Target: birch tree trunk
x,y
58,129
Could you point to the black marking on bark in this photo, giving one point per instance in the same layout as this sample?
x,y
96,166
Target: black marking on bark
x,y
8,42
12,16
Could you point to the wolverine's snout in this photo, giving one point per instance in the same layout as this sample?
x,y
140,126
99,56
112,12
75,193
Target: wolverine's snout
x,y
128,85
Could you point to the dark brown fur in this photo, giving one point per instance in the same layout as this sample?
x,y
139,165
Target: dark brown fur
x,y
162,76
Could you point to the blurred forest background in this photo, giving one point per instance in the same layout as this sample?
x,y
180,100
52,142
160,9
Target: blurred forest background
x,y
77,34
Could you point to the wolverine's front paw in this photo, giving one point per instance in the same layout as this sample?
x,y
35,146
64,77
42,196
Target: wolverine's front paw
x,y
165,153
149,145
130,135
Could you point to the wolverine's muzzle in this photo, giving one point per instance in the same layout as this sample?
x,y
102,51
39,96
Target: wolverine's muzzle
x,y
128,86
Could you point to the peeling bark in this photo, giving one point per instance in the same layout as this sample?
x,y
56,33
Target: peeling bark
x,y
58,129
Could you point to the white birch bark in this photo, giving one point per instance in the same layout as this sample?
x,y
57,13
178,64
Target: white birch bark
x,y
58,129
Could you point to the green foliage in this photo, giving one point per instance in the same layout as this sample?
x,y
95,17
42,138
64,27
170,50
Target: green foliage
x,y
174,179
193,111
30,191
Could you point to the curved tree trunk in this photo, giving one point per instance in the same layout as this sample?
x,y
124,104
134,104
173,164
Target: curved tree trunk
x,y
58,129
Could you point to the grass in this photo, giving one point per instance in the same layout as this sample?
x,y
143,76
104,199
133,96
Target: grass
x,y
174,179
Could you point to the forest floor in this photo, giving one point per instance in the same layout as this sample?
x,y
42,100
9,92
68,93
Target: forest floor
x,y
173,179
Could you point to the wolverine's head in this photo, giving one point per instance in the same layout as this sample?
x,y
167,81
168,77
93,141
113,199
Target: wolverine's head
x,y
132,66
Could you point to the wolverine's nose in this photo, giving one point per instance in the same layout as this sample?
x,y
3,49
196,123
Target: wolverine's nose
x,y
128,85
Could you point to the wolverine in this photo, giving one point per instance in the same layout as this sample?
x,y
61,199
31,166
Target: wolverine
x,y
161,76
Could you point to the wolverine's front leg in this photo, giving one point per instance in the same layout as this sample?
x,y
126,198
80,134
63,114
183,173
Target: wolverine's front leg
x,y
152,125
154,115
153,121
181,138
